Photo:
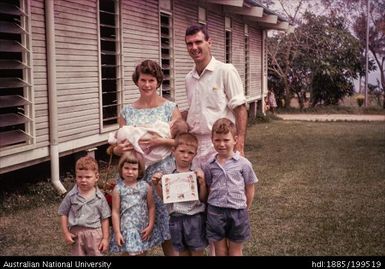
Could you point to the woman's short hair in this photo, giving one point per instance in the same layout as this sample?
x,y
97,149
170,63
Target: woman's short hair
x,y
148,67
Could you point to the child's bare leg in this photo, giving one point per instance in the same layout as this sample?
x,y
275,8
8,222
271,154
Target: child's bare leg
x,y
168,249
197,252
211,249
235,249
221,248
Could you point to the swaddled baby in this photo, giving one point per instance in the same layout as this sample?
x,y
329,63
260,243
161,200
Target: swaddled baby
x,y
135,133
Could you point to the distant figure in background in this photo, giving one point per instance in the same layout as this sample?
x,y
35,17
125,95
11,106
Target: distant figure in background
x,y
271,102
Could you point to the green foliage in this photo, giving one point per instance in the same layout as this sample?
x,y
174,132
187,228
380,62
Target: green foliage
x,y
320,57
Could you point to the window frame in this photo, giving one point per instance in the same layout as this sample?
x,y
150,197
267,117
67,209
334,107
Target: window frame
x,y
105,66
166,43
202,15
17,115
247,61
228,40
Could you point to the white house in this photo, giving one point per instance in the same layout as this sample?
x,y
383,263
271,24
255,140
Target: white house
x,y
66,65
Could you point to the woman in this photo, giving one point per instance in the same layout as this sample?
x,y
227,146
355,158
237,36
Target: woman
x,y
147,109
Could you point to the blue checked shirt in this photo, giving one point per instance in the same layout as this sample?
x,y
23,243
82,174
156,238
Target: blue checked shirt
x,y
227,183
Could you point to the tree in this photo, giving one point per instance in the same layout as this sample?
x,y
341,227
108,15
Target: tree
x,y
376,37
357,10
331,55
321,56
281,50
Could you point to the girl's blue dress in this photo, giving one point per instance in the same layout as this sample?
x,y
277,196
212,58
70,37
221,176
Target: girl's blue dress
x,y
133,217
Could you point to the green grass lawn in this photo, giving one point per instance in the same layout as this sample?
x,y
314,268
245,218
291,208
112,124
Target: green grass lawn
x,y
321,188
321,191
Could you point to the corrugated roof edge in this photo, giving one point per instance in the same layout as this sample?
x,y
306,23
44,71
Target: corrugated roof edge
x,y
266,10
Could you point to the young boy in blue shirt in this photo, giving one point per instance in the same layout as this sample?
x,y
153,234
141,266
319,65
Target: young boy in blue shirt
x,y
230,181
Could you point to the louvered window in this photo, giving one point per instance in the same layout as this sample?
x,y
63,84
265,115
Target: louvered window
x,y
16,114
167,55
228,29
247,61
110,55
202,16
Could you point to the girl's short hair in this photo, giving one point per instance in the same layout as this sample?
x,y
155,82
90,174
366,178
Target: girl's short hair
x,y
186,139
87,163
224,126
148,67
132,157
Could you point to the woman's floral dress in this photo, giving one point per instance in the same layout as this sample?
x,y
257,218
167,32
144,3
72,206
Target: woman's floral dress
x,y
145,116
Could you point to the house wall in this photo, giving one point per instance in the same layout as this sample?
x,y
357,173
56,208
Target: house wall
x,y
77,71
77,66
39,69
185,14
255,37
216,27
140,37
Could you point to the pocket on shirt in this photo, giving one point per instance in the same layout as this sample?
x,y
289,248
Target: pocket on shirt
x,y
216,99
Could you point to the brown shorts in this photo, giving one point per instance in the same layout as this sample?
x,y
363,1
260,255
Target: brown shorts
x,y
87,241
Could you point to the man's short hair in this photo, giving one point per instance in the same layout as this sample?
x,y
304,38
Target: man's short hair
x,y
196,28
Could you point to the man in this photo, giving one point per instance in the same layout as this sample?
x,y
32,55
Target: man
x,y
214,90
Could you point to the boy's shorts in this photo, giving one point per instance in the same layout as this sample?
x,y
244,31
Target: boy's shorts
x,y
229,223
87,241
188,232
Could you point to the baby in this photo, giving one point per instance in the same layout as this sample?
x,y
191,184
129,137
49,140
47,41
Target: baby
x,y
135,133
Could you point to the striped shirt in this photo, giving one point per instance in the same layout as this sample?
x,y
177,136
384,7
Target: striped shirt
x,y
227,183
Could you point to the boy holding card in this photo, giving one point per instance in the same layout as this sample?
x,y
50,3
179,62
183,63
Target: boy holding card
x,y
187,219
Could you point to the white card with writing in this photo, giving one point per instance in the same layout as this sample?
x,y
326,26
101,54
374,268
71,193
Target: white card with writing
x,y
179,187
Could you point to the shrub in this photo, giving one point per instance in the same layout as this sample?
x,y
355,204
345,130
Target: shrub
x,y
360,100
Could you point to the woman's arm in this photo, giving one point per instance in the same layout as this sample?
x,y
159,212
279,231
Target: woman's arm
x,y
124,146
178,125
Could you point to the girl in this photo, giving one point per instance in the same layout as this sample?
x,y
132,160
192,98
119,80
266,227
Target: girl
x,y
133,208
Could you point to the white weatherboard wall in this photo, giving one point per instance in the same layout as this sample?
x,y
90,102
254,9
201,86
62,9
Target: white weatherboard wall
x,y
77,50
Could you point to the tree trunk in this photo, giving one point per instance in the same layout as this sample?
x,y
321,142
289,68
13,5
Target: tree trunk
x,y
383,102
300,100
